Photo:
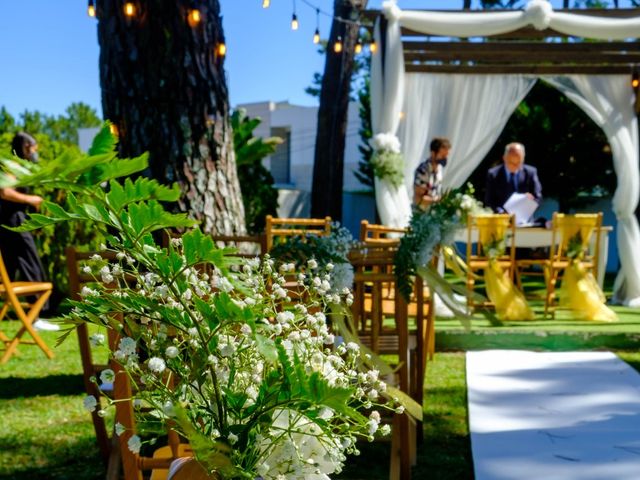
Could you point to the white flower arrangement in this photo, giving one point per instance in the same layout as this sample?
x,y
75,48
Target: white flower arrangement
x,y
387,161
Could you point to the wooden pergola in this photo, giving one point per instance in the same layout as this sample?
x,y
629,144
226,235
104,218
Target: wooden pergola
x,y
524,51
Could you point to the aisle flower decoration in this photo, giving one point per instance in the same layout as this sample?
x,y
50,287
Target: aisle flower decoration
x,y
260,389
387,160
430,229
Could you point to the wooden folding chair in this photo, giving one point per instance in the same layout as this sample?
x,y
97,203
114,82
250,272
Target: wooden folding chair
x,y
478,258
374,234
135,465
277,229
90,367
11,293
558,260
372,275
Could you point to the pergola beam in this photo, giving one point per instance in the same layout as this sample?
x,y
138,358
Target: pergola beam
x,y
520,69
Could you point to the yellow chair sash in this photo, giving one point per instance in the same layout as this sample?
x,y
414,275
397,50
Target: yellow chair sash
x,y
579,291
509,302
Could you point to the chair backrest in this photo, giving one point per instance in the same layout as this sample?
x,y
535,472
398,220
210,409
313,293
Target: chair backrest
x,y
576,234
374,234
494,237
280,228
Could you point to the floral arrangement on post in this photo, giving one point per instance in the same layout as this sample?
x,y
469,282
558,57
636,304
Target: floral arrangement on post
x,y
387,160
429,229
258,390
327,252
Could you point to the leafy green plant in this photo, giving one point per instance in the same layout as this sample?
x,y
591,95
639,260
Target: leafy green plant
x,y
255,388
259,196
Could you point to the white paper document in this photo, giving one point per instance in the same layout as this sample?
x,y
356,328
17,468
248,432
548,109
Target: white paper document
x,y
520,205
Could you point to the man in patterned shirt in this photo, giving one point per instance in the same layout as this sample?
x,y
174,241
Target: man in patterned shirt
x,y
427,184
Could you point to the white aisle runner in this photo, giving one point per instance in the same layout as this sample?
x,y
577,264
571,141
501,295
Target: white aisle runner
x,y
553,416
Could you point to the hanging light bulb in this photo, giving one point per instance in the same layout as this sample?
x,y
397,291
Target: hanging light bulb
x,y
294,18
221,50
129,9
91,9
373,47
635,79
358,46
316,35
266,3
337,47
194,17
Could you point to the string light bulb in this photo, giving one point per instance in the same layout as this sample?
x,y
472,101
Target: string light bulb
x,y
316,35
358,46
129,9
337,47
373,47
635,80
294,22
221,50
194,17
91,9
266,3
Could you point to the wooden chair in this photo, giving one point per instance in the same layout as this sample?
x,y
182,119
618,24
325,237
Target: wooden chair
x,y
372,275
12,293
478,258
374,234
91,368
563,229
277,229
135,465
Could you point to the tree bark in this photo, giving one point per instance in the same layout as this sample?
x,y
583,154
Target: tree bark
x,y
328,167
164,87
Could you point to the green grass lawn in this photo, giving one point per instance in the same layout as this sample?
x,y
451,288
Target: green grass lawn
x,y
46,434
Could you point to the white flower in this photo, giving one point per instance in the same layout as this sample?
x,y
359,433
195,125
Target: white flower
x,y
156,365
134,444
171,352
105,273
373,426
375,416
385,430
95,257
284,318
90,403
168,409
226,349
107,376
119,429
88,292
312,264
96,339
86,269
127,346
233,438
385,142
246,329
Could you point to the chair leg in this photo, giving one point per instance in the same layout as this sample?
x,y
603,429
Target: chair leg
x,y
5,309
27,326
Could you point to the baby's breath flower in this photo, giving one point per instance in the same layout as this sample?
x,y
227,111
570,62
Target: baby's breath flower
x,y
134,444
156,365
96,339
171,352
90,403
107,376
119,428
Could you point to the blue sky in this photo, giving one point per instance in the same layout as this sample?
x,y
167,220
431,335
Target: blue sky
x,y
49,51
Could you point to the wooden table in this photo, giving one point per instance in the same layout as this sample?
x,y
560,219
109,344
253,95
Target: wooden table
x,y
536,237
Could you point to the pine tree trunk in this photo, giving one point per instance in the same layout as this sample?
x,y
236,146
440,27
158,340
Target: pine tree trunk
x,y
164,87
326,195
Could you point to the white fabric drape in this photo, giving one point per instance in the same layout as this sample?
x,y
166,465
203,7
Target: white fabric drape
x,y
470,110
609,102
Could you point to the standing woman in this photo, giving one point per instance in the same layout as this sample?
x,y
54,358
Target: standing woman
x,y
19,249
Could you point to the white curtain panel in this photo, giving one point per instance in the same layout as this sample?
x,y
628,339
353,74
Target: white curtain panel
x,y
470,110
609,102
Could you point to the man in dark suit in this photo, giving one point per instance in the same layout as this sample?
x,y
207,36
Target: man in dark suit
x,y
510,177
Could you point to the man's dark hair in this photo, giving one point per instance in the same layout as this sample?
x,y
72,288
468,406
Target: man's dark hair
x,y
438,143
20,142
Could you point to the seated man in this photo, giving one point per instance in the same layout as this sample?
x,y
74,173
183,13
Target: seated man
x,y
427,184
511,177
